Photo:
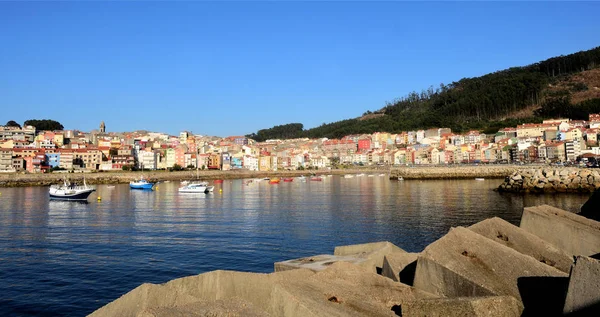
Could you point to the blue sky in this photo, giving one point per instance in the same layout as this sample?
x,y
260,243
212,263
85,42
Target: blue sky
x,y
231,68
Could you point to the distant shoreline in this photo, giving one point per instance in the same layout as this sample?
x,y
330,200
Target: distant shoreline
x,y
122,177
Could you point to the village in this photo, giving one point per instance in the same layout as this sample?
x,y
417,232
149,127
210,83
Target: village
x,y
555,141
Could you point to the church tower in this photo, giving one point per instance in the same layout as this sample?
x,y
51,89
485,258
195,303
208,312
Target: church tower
x,y
102,127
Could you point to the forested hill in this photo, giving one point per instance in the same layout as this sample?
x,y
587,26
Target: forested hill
x,y
504,98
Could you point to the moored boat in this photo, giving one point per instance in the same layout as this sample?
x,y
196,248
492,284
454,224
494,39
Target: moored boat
x,y
141,184
288,179
218,181
348,176
479,179
316,179
201,187
274,181
68,191
302,178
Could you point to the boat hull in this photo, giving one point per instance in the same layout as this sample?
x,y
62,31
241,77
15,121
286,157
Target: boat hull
x,y
141,186
82,195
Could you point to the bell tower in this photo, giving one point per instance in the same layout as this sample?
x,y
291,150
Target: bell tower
x,y
102,127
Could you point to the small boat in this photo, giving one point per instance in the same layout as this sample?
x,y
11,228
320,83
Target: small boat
x,y
316,179
359,175
479,179
68,191
348,176
185,182
302,178
201,187
141,184
288,179
381,174
110,187
274,181
266,179
218,181
166,181
400,178
370,175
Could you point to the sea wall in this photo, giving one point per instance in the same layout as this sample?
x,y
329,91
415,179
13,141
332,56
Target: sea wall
x,y
492,268
455,172
551,180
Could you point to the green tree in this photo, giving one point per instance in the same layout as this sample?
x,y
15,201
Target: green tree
x,y
13,123
45,124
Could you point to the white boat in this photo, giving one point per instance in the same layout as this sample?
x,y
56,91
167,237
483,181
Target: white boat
x,y
400,178
359,175
201,187
302,178
381,174
479,179
185,182
370,175
348,176
68,191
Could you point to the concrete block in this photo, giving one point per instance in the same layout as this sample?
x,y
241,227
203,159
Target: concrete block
x,y
466,264
400,267
571,233
233,307
315,263
583,294
591,208
372,252
497,306
343,289
524,242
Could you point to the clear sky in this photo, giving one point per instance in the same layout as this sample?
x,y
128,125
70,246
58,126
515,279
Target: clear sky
x,y
231,68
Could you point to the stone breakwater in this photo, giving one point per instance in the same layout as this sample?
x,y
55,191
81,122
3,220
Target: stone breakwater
x,y
121,177
551,180
455,172
544,267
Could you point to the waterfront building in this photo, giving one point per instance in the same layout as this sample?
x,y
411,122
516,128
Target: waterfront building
x,y
6,160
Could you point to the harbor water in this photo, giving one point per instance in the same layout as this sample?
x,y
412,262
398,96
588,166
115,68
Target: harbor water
x,y
61,258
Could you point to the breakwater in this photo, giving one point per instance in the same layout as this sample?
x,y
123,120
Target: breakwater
x,y
551,180
545,266
122,177
455,172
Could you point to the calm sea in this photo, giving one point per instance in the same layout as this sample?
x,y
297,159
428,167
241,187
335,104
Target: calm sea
x,y
68,258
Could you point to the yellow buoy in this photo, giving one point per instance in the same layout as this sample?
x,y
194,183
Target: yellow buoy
x,y
99,198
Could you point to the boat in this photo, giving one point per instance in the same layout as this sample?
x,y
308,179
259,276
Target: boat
x,y
302,178
69,191
274,181
266,179
185,182
316,179
400,178
359,175
288,179
370,175
348,176
479,179
110,187
209,189
141,184
381,174
218,181
201,187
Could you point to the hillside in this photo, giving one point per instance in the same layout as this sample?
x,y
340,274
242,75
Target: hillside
x,y
565,86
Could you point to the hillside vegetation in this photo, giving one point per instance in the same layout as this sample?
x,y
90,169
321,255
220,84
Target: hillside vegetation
x,y
564,86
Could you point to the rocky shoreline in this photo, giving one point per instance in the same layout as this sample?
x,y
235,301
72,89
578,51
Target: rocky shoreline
x,y
455,171
552,180
544,267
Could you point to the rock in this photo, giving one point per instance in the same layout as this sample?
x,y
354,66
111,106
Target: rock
x,y
232,307
499,306
517,177
373,253
563,173
464,263
400,267
315,263
569,232
583,294
516,238
591,208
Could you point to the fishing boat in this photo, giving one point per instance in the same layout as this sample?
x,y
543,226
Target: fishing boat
x,y
288,179
70,191
141,184
201,187
274,180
